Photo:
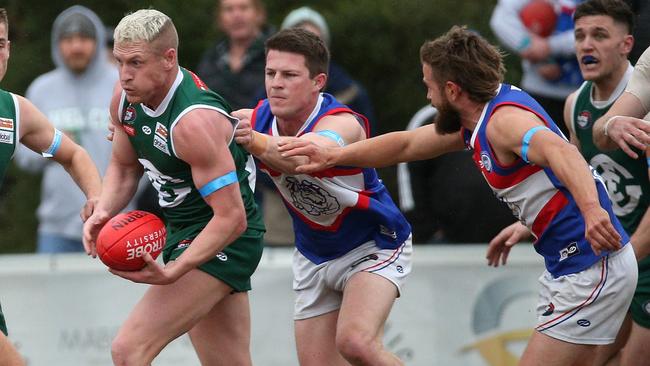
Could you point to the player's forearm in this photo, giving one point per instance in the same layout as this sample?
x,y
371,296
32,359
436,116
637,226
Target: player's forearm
x,y
220,231
265,148
119,185
84,172
377,152
601,140
574,172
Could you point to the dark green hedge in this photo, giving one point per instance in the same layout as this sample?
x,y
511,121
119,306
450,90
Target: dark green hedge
x,y
377,41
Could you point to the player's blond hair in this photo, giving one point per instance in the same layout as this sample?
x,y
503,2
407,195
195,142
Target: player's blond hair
x,y
149,26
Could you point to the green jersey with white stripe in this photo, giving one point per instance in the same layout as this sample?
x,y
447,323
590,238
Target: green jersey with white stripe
x,y
626,178
150,133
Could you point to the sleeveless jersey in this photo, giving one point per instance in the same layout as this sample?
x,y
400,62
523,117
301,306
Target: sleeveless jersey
x,y
535,195
626,178
338,209
9,122
151,135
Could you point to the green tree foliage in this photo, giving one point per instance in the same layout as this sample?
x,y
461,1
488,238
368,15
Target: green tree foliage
x,y
377,41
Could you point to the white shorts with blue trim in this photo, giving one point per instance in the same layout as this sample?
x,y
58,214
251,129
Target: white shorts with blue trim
x,y
588,307
319,287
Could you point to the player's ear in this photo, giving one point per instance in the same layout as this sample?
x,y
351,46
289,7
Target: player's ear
x,y
628,43
320,80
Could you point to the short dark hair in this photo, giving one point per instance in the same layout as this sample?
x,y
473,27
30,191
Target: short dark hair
x,y
616,9
4,18
302,42
467,59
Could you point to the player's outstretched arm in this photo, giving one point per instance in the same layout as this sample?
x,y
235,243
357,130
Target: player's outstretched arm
x,y
499,247
38,134
334,130
381,151
201,139
512,130
622,126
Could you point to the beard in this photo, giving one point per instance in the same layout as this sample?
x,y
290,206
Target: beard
x,y
448,118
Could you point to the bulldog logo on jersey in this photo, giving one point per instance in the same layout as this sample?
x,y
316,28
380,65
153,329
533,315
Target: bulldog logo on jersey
x,y
486,163
311,198
584,119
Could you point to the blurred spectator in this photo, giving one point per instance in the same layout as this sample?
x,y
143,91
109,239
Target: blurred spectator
x,y
441,196
339,83
109,45
75,97
234,66
641,28
550,69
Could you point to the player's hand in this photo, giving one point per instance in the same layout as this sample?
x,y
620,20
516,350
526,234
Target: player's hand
x,y
319,157
91,229
628,133
111,132
152,273
538,51
244,132
499,247
599,231
88,208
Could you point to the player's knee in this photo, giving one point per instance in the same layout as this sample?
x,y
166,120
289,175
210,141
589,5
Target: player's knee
x,y
125,352
355,344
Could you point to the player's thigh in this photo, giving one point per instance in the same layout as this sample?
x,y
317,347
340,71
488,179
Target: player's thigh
x,y
315,340
606,354
367,301
166,312
543,350
222,337
637,349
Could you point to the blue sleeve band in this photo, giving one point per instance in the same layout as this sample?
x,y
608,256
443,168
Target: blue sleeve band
x,y
56,142
526,141
218,183
648,161
332,135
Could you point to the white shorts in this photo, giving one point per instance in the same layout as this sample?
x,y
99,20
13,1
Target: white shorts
x,y
319,287
588,307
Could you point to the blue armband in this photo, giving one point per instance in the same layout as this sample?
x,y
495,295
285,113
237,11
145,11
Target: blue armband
x,y
56,142
526,141
332,135
218,183
648,161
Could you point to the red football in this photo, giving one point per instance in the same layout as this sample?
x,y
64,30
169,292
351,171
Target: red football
x,y
126,237
539,17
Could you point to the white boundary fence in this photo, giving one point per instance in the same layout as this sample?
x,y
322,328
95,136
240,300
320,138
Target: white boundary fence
x,y
455,310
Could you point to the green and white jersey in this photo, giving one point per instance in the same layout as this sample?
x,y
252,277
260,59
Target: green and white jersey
x,y
9,123
626,178
151,134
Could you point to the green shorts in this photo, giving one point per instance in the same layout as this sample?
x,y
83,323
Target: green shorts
x,y
3,324
640,307
234,265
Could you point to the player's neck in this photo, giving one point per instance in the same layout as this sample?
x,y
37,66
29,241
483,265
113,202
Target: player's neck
x,y
470,114
604,88
159,95
289,125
